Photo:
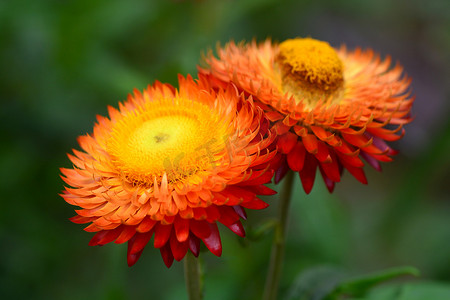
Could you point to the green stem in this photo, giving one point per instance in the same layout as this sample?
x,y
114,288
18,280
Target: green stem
x,y
279,241
192,276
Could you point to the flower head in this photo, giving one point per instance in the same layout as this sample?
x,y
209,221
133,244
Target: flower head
x,y
171,164
331,108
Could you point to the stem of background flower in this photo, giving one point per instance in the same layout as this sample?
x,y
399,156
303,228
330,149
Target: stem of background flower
x,y
279,241
192,276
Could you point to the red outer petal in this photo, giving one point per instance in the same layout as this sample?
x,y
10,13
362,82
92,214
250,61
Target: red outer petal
x,y
178,249
224,197
146,225
382,146
311,144
127,233
296,158
261,190
286,142
92,228
277,160
281,171
347,149
241,192
105,237
194,244
228,215
358,173
200,228
323,154
280,128
162,234
199,213
212,213
181,229
359,141
133,258
213,242
237,228
138,241
328,182
308,173
300,130
97,238
387,135
352,160
321,133
240,211
81,220
255,204
166,255
371,161
331,169
261,177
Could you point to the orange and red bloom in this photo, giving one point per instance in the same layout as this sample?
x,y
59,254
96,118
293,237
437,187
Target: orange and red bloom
x,y
171,164
331,109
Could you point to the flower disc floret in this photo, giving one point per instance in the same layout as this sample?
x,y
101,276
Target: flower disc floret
x,y
310,70
177,137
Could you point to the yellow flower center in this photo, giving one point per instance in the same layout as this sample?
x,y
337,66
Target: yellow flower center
x,y
310,70
179,137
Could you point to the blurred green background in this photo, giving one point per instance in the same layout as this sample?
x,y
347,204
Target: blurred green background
x,y
62,62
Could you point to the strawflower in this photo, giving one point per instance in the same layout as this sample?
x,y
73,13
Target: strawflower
x,y
332,109
171,164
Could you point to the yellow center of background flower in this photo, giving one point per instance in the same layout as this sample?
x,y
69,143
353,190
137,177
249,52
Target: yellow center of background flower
x,y
179,137
310,70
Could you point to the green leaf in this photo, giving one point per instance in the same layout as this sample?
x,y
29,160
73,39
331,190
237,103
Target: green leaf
x,y
412,291
315,283
360,286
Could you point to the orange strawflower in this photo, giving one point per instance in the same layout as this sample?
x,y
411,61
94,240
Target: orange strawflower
x,y
171,164
330,108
